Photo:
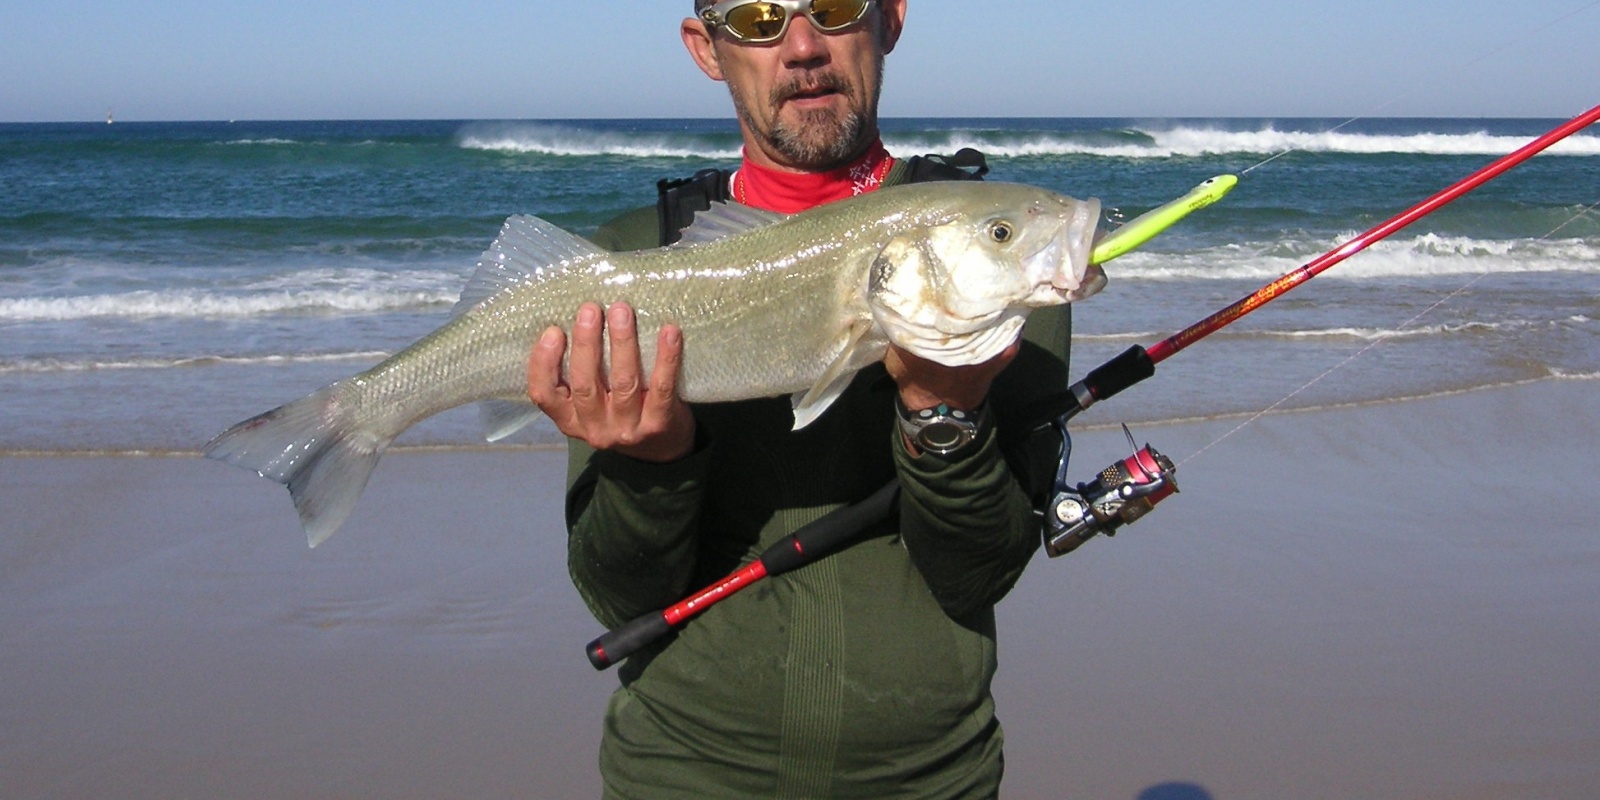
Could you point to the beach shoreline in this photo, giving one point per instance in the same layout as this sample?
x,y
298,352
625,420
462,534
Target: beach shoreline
x,y
1384,600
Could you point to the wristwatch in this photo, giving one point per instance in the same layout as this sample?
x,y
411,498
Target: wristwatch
x,y
941,430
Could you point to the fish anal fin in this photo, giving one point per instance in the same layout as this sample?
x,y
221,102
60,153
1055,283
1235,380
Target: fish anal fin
x,y
501,418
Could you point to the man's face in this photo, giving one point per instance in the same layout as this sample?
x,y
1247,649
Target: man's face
x,y
808,101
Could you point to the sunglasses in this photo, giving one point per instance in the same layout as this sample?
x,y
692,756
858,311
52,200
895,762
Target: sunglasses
x,y
765,21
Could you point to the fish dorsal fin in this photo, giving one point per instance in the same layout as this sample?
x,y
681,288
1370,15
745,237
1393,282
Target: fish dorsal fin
x,y
860,349
526,248
726,219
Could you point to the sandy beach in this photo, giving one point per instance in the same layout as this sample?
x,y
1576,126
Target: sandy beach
x,y
1397,600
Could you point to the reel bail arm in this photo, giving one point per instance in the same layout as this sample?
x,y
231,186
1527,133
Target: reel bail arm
x,y
1119,495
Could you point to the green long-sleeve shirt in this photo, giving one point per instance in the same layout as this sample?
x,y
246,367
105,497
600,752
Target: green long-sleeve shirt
x,y
864,674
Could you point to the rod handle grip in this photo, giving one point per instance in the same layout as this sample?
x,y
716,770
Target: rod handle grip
x,y
615,645
1128,368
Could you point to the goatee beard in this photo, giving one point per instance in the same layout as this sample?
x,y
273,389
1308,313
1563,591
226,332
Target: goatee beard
x,y
821,140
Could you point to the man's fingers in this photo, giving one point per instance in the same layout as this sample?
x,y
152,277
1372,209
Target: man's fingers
x,y
545,386
613,409
585,365
624,381
663,395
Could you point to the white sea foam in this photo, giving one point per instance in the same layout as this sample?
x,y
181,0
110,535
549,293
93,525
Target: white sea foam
x,y
1204,141
1345,333
321,290
269,141
195,303
1379,334
58,365
1201,141
1148,141
1427,255
563,140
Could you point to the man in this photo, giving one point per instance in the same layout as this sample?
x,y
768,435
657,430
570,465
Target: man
x,y
866,673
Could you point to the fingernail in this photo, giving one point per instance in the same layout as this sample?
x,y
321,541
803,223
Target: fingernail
x,y
619,316
551,337
588,315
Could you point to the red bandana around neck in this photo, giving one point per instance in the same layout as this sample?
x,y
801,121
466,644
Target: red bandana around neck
x,y
793,192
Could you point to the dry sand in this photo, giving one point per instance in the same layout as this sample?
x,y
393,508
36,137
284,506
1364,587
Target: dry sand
x,y
1393,601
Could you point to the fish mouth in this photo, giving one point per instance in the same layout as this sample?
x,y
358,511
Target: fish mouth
x,y
1093,280
1070,247
1053,271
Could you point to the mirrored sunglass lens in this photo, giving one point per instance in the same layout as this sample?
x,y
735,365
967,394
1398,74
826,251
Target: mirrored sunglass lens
x,y
757,20
835,14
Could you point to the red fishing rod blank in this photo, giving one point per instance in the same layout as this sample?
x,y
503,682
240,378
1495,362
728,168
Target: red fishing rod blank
x,y
1136,363
1164,349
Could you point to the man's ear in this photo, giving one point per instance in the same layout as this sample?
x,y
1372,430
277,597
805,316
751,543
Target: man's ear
x,y
704,52
894,22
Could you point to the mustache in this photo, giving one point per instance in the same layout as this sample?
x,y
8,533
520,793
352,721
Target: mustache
x,y
810,84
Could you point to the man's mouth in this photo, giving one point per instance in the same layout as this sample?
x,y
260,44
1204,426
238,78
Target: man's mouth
x,y
821,89
808,94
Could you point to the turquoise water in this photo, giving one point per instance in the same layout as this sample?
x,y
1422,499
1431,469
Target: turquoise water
x,y
160,281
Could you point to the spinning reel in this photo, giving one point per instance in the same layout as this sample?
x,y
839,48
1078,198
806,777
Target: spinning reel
x,y
1120,494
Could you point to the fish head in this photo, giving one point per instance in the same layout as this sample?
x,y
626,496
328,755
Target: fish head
x,y
957,290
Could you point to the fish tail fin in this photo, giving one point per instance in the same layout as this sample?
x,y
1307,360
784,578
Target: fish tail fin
x,y
314,448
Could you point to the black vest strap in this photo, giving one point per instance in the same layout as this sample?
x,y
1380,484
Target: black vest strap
x,y
679,199
966,165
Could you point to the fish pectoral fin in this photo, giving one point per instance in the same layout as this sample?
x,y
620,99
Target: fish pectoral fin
x,y
501,418
526,249
726,219
857,352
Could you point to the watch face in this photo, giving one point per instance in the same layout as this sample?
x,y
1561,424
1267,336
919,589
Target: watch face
x,y
944,436
941,430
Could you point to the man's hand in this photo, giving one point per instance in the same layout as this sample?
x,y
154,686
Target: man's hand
x,y
925,384
614,411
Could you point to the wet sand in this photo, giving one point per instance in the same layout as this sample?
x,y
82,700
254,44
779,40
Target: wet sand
x,y
1393,601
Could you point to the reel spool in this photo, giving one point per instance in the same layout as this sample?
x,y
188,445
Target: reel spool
x,y
1119,495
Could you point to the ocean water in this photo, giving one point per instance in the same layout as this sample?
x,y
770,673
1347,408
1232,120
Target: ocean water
x,y
161,281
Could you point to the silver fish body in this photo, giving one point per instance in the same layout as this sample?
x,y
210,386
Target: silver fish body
x,y
768,305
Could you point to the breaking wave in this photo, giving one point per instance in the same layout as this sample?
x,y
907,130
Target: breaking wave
x,y
196,303
576,141
1187,141
1427,255
1333,334
58,365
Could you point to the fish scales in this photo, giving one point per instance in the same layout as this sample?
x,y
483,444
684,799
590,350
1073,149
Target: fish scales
x,y
778,306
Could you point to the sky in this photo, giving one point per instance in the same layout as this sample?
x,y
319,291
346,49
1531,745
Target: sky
x,y
68,60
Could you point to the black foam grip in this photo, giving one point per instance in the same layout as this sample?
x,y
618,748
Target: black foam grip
x,y
816,539
1128,368
615,645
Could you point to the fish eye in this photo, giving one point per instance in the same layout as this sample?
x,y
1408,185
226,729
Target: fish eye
x,y
1000,231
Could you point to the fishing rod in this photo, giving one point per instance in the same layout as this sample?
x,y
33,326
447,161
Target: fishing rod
x,y
1123,492
1129,489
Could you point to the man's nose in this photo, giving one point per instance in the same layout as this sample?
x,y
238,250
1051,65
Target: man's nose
x,y
803,44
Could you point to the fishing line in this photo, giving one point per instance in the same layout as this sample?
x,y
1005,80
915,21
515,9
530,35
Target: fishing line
x,y
1403,95
1401,328
1446,298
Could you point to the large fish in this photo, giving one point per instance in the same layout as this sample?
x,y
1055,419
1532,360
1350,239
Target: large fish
x,y
769,305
